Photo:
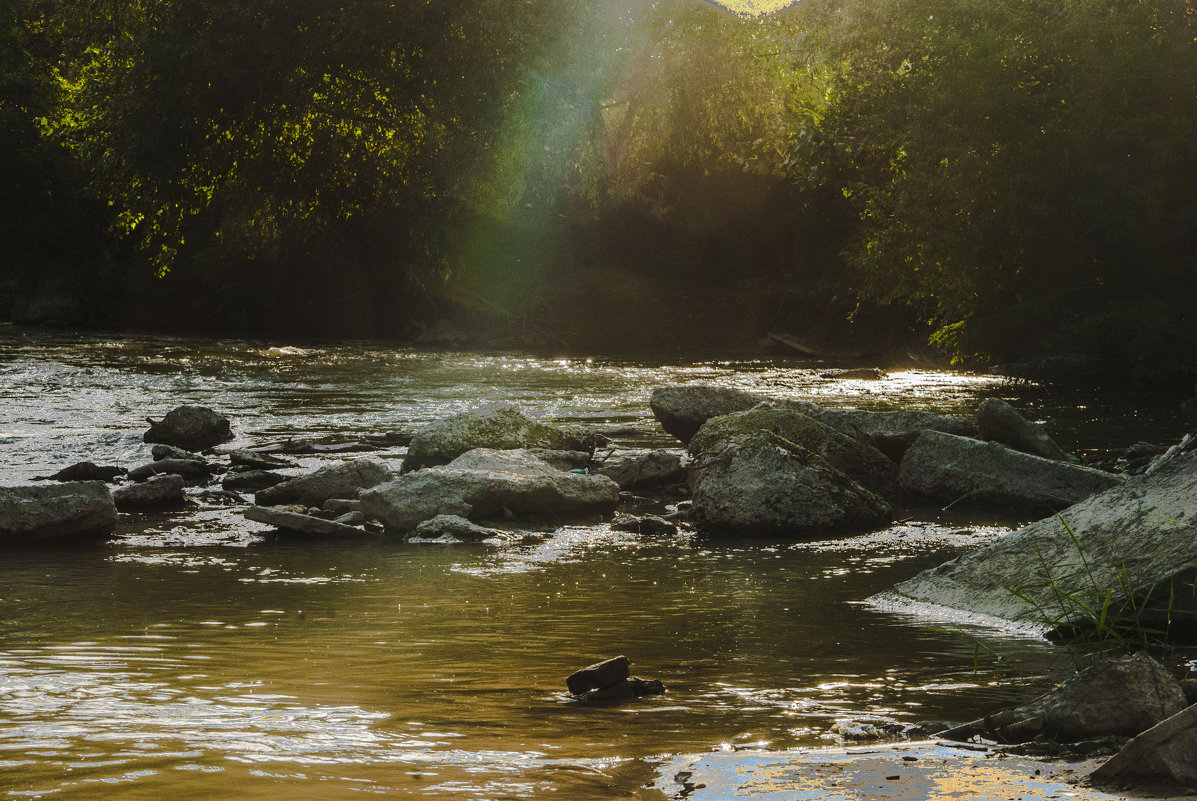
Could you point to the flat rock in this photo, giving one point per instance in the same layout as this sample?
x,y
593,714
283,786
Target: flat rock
x,y
645,470
1121,696
195,428
305,525
487,484
187,468
755,484
47,513
998,421
1165,754
502,428
965,471
1138,538
338,480
158,493
251,480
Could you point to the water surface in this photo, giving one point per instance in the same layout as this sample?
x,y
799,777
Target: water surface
x,y
192,655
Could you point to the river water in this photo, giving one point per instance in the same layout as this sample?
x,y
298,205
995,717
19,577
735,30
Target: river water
x,y
194,656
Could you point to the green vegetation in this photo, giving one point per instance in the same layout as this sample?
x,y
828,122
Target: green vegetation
x,y
1010,179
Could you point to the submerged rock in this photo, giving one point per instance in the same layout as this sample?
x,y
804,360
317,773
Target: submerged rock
x,y
1121,696
998,421
298,523
86,471
486,484
159,493
495,429
647,525
338,480
458,528
973,473
1136,541
195,428
756,483
258,461
48,513
789,427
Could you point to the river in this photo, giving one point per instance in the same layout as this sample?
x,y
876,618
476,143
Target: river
x,y
193,657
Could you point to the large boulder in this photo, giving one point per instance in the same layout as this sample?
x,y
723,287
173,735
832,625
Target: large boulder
x,y
965,471
1165,754
683,409
789,427
998,421
502,428
756,483
338,480
1121,696
487,484
57,511
1134,544
194,428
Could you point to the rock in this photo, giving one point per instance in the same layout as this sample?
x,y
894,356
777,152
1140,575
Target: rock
x,y
171,452
892,432
350,519
755,484
998,421
630,687
683,409
251,480
158,493
644,470
29,515
486,483
187,468
1164,754
338,480
789,427
457,527
1137,539
293,522
1190,689
258,461
195,428
966,471
599,675
647,525
1187,444
342,505
562,460
501,428
857,373
86,471
1121,696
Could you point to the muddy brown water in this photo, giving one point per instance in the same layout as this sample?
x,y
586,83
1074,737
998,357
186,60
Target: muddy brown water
x,y
194,656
